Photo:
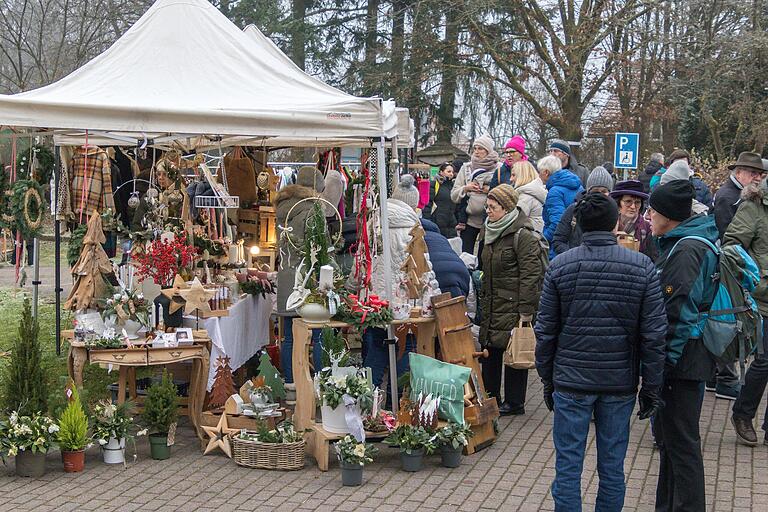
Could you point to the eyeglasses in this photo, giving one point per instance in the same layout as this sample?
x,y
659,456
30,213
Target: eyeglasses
x,y
632,202
511,152
492,208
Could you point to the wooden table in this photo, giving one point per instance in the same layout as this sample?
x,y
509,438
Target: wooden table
x,y
318,439
128,359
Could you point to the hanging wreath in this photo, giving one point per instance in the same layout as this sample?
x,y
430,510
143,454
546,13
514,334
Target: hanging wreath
x,y
28,207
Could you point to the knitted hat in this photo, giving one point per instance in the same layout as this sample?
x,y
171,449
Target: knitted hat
x,y
673,200
628,188
596,212
505,195
561,145
406,192
310,177
679,170
518,144
485,141
599,177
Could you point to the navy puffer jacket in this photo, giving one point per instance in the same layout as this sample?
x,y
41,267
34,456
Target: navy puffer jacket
x,y
601,322
452,274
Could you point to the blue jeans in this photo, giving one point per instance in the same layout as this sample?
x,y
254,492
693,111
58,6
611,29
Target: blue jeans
x,y
286,350
376,355
571,427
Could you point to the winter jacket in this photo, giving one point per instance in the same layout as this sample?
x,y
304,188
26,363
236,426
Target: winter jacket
x,y
689,289
580,170
645,177
290,256
568,232
502,175
511,282
703,194
562,186
601,322
441,209
402,219
474,206
749,228
531,202
656,178
727,201
452,274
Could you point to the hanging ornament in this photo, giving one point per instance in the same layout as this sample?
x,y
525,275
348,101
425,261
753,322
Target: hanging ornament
x,y
133,201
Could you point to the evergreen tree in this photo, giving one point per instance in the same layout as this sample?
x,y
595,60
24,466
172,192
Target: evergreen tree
x,y
24,385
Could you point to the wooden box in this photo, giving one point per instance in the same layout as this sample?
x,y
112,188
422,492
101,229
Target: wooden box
x,y
248,222
239,421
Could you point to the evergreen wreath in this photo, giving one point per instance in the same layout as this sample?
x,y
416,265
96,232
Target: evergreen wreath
x,y
28,207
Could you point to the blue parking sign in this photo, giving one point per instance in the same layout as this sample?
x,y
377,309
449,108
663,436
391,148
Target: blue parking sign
x,y
626,146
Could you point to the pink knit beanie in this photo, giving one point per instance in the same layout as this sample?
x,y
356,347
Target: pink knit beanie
x,y
518,144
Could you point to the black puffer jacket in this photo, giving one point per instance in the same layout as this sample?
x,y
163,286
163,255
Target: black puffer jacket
x,y
601,322
645,176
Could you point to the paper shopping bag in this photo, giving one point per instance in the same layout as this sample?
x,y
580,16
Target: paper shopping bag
x,y
520,353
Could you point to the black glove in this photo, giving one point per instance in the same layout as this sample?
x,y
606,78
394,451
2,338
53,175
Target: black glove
x,y
549,389
650,403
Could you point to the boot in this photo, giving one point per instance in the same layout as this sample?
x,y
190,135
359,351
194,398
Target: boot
x,y
745,432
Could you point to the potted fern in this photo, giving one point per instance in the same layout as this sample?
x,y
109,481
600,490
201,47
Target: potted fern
x,y
160,412
452,439
73,436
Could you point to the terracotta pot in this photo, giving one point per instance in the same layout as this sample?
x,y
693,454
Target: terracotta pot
x,y
74,462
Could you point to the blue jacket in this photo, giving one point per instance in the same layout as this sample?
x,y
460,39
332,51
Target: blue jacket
x,y
452,274
601,322
686,277
563,186
502,175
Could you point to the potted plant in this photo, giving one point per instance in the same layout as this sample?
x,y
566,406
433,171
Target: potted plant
x,y
414,442
112,428
452,439
73,436
353,456
160,412
279,448
347,385
28,438
127,310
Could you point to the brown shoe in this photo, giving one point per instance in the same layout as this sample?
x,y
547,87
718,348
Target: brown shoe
x,y
745,432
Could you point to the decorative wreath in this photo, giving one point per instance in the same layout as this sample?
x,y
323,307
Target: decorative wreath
x,y
28,207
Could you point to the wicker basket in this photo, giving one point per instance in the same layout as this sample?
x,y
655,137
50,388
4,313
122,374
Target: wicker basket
x,y
283,456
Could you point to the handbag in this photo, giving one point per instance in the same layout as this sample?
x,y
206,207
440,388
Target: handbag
x,y
241,175
521,349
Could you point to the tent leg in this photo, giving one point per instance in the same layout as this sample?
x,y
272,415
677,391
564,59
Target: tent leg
x,y
36,279
57,238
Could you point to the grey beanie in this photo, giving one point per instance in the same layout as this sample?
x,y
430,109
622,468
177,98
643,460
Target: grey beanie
x,y
679,170
599,177
406,192
311,177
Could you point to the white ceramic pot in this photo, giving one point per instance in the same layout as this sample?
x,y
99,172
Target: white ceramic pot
x,y
314,313
334,420
114,451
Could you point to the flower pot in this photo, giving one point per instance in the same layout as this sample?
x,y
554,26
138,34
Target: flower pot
x,y
158,446
314,313
30,464
413,461
114,451
170,320
334,420
351,474
74,462
451,457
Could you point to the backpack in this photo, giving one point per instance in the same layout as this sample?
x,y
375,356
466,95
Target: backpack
x,y
543,255
732,327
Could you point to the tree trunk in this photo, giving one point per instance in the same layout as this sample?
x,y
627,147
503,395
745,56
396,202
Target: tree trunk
x,y
371,46
398,47
445,113
299,33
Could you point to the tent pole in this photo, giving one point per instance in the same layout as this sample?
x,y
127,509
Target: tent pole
x,y
36,279
57,237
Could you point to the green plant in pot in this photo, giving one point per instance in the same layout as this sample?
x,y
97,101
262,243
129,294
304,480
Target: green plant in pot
x,y
452,439
160,413
112,424
73,435
414,442
28,438
353,456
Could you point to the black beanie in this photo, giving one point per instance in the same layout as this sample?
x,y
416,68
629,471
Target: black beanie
x,y
597,212
674,200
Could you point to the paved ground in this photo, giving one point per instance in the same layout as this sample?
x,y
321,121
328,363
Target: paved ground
x,y
513,474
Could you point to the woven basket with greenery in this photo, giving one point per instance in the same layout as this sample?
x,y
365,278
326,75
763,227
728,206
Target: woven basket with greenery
x,y
255,454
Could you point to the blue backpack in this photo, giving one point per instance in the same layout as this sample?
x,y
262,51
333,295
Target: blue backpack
x,y
732,327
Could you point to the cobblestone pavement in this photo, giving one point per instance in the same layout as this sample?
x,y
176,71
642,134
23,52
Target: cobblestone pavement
x,y
513,474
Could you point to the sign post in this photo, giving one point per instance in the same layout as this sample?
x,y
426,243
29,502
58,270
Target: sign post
x,y
626,148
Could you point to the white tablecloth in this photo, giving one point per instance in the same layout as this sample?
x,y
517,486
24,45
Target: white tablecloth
x,y
239,335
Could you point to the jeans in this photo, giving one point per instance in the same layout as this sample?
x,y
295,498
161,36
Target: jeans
x,y
755,382
681,467
573,413
286,350
376,355
515,381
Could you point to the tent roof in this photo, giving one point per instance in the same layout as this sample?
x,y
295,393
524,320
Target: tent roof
x,y
184,69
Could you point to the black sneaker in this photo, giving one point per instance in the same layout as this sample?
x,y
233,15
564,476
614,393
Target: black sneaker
x,y
726,392
710,385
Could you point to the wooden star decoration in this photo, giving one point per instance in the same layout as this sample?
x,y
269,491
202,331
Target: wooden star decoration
x,y
197,297
175,291
219,437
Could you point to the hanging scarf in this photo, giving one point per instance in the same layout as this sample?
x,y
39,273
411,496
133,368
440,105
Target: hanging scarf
x,y
494,229
627,224
488,163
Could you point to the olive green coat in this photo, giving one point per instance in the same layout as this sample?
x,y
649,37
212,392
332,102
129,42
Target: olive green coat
x,y
511,283
749,228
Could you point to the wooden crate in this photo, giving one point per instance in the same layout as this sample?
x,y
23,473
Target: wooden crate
x,y
248,222
238,421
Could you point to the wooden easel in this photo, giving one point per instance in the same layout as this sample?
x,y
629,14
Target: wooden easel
x,y
458,347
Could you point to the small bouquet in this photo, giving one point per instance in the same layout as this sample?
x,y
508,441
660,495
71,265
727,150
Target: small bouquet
x,y
369,312
36,433
127,305
356,385
113,421
384,421
350,451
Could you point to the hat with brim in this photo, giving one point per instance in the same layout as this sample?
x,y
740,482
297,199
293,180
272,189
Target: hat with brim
x,y
629,188
750,160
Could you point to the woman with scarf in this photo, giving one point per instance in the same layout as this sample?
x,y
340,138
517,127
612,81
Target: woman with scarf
x,y
630,197
471,189
441,209
511,283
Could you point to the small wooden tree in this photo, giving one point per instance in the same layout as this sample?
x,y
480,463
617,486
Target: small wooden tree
x,y
223,384
24,383
272,377
91,269
416,264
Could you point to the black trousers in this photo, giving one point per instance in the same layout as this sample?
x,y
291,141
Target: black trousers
x,y
468,239
681,468
515,381
755,382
